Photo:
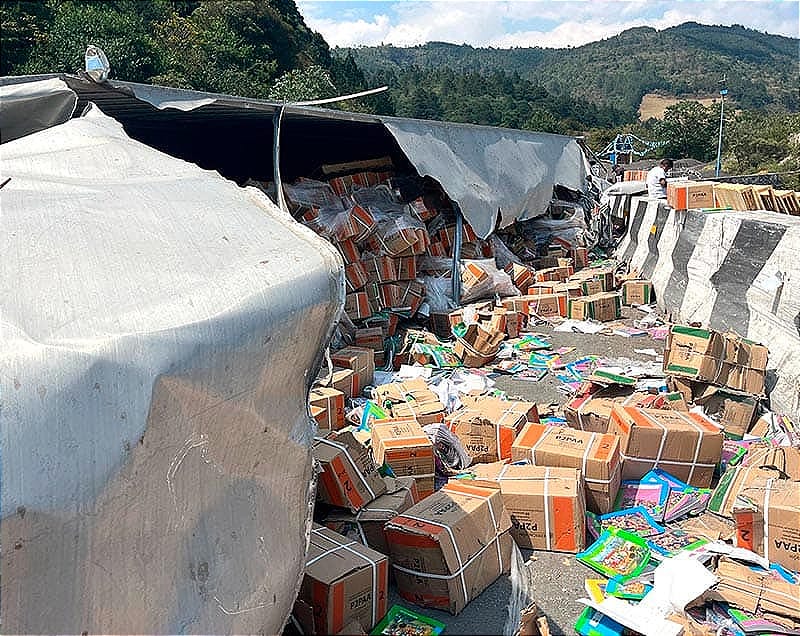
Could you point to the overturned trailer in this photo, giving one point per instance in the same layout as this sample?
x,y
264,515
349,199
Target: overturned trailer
x,y
160,329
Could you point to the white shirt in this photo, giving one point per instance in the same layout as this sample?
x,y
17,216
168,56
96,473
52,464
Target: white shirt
x,y
654,188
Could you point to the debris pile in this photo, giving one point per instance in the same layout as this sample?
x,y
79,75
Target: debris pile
x,y
665,475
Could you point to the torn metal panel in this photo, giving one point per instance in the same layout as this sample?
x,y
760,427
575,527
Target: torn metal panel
x,y
32,106
489,170
159,327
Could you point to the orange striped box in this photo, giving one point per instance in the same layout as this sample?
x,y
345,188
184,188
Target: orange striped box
x,y
450,546
355,276
349,477
356,306
487,426
344,582
686,445
548,305
546,505
401,443
331,402
596,455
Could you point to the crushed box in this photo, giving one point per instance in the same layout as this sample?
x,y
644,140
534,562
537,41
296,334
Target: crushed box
x,y
754,590
402,444
596,455
451,546
349,477
366,526
346,381
411,398
686,445
487,426
710,356
546,505
343,582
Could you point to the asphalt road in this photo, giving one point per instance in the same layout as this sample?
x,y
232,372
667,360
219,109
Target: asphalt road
x,y
557,577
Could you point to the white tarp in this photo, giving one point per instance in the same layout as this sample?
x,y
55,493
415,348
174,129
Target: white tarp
x,y
159,327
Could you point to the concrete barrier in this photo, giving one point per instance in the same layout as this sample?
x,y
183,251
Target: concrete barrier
x,y
728,270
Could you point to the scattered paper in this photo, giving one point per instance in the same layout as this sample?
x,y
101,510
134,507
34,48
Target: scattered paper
x,y
647,352
409,372
579,326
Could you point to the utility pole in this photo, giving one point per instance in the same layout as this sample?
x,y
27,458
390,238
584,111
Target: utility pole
x,y
723,92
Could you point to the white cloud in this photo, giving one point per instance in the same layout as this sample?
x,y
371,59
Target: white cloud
x,y
512,23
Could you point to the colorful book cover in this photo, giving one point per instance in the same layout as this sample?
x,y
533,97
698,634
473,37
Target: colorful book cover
x,y
636,520
674,541
630,590
651,496
593,623
617,553
595,588
400,621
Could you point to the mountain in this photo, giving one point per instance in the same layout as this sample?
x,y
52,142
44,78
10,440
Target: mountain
x,y
683,61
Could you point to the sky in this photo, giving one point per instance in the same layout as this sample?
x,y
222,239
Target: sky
x,y
545,23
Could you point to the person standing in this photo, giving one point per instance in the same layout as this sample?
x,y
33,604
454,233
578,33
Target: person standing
x,y
657,179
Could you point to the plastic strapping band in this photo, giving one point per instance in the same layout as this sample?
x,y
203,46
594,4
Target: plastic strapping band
x,y
666,462
586,454
373,565
546,494
766,518
343,448
663,438
699,430
461,564
503,471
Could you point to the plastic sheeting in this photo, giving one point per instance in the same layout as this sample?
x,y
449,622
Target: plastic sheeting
x,y
159,328
492,170
33,106
488,171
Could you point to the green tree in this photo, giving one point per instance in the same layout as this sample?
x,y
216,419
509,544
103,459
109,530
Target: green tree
x,y
688,129
24,28
313,82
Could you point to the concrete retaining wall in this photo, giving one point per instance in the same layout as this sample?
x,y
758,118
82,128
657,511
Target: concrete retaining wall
x,y
728,270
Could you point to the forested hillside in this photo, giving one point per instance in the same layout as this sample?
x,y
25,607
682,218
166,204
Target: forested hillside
x,y
689,59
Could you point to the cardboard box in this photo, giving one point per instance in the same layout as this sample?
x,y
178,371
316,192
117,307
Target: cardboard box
x,y
366,526
412,398
349,477
451,546
402,444
487,426
411,294
761,463
548,305
767,515
603,275
349,251
637,292
343,582
346,381
521,275
355,276
380,269
520,304
370,338
546,505
406,267
686,445
537,289
602,307
360,360
590,409
484,339
572,289
688,195
356,306
331,401
733,410
580,257
472,276
558,274
710,356
597,456
754,590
